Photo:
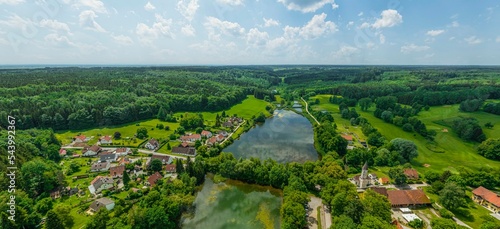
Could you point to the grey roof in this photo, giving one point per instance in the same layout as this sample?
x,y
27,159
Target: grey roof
x,y
107,157
99,166
365,167
100,203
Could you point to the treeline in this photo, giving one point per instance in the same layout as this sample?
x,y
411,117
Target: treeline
x,y
78,98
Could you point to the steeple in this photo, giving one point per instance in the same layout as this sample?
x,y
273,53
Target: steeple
x,y
365,167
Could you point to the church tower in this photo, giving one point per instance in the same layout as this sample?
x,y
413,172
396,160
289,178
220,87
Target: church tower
x,y
363,179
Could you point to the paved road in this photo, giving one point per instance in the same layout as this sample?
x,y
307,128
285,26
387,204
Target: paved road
x,y
156,153
307,109
410,186
326,218
232,132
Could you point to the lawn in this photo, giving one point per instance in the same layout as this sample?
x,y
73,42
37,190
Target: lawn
x,y
456,151
127,132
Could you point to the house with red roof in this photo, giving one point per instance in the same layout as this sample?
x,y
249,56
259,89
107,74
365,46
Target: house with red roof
x,y
62,152
170,168
383,180
487,199
206,133
348,138
117,171
80,138
152,144
191,138
106,140
153,179
407,198
411,174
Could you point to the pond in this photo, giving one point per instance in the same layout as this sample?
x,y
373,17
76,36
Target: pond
x,y
234,204
285,137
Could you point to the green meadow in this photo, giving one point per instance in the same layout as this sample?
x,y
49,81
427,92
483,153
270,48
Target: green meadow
x,y
247,109
454,151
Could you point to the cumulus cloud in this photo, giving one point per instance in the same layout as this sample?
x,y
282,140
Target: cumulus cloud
x,y
149,6
231,2
54,25
188,30
413,48
270,22
307,6
389,18
122,39
473,40
87,20
435,32
161,27
316,27
346,51
216,26
256,37
11,2
187,8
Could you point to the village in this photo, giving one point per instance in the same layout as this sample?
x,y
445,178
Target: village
x,y
108,169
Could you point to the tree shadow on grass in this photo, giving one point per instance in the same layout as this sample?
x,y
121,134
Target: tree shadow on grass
x,y
464,214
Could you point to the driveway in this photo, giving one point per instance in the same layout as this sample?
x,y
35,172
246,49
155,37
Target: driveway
x,y
312,214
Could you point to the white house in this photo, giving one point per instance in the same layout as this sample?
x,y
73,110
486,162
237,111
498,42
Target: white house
x,y
152,144
100,166
100,183
123,151
105,140
111,157
91,151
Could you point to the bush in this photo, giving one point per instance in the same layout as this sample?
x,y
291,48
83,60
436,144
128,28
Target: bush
x,y
408,127
445,213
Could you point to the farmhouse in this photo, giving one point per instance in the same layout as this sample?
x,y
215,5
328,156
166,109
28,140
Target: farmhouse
x,y
100,183
407,198
105,140
487,198
91,151
154,178
123,151
411,174
80,138
152,144
191,138
101,203
383,180
184,149
100,166
117,171
206,133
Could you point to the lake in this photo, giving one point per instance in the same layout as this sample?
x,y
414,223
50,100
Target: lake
x,y
234,204
285,137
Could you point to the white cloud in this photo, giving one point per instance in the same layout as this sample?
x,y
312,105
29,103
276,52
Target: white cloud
x,y
498,39
161,27
11,2
270,22
389,18
360,14
473,40
54,25
188,30
307,6
345,52
15,21
225,27
256,37
58,40
187,8
149,6
382,39
413,48
87,20
317,26
455,24
364,25
123,40
231,2
94,5
435,32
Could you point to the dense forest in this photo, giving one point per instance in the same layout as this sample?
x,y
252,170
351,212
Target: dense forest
x,y
79,98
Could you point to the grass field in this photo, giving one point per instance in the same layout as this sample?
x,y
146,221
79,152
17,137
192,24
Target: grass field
x,y
246,109
127,131
456,151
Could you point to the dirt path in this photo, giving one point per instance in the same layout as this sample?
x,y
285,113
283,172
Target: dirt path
x,y
307,109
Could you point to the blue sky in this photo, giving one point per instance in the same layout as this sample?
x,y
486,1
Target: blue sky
x,y
223,32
